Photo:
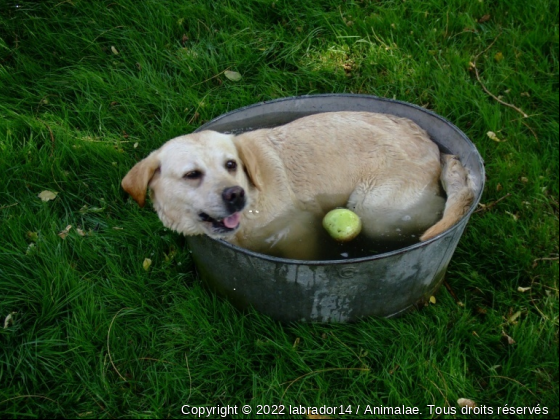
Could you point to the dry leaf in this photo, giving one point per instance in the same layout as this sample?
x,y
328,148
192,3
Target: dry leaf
x,y
296,342
523,289
507,338
114,50
33,236
232,75
515,216
146,264
9,319
465,402
484,18
80,232
30,248
493,136
47,195
512,319
498,56
433,300
64,233
499,187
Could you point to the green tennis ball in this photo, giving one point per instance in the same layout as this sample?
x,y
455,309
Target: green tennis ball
x,y
342,224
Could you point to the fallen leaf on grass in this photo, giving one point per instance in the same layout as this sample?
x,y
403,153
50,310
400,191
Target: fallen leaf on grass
x,y
47,195
80,232
513,318
507,338
465,402
433,300
146,264
30,248
494,137
484,18
9,319
523,289
515,216
232,75
114,50
498,56
63,234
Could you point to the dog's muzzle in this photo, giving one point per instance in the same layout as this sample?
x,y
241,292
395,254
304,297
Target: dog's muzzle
x,y
234,200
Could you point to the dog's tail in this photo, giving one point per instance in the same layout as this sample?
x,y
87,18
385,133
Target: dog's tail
x,y
460,195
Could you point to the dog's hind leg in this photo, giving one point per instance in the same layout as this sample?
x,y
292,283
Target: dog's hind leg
x,y
397,209
460,195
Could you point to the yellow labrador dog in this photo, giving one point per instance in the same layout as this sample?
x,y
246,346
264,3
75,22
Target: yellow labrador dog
x,y
268,189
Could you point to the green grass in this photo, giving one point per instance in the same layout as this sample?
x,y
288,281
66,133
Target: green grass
x,y
94,335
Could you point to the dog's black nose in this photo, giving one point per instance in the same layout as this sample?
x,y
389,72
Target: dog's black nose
x,y
234,197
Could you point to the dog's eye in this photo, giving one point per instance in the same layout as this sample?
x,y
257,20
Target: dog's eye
x,y
196,174
231,165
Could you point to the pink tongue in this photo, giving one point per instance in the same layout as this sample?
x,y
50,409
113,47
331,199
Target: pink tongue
x,y
232,221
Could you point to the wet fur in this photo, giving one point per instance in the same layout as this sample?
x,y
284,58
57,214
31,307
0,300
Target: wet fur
x,y
383,167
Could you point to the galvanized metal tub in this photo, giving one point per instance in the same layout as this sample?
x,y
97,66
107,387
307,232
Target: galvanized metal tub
x,y
382,285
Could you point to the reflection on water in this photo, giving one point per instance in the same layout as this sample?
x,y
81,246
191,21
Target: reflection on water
x,y
303,237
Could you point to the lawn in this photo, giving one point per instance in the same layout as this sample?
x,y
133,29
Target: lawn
x,y
88,330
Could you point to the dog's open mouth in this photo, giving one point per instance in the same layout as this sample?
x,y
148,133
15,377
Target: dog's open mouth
x,y
227,224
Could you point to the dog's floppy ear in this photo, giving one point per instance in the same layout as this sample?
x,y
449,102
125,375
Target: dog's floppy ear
x,y
250,160
137,179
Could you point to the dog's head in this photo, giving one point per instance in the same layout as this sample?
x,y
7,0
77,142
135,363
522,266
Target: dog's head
x,y
198,184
